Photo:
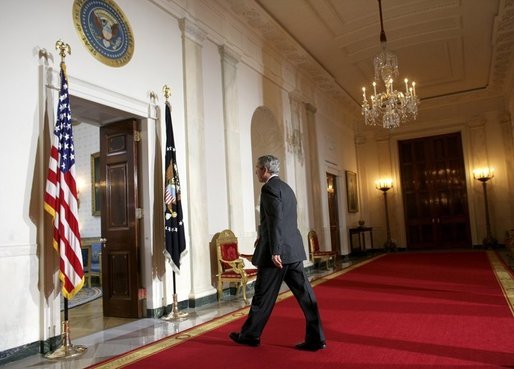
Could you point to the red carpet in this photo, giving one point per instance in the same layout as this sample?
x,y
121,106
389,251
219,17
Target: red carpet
x,y
403,310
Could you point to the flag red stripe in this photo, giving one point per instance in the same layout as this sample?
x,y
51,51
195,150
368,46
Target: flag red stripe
x,y
61,198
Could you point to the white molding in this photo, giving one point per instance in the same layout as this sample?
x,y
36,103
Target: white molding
x,y
17,250
98,94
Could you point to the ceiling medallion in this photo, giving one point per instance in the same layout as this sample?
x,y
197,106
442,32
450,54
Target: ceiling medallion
x,y
104,30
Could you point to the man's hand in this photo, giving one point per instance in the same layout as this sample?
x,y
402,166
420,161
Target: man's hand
x,y
277,261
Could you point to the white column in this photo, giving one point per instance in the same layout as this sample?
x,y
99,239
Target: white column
x,y
478,158
508,143
192,40
313,166
229,61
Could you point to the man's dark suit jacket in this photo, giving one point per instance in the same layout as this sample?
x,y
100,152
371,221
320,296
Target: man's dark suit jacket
x,y
278,232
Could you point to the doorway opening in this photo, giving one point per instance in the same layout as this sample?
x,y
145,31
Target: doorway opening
x,y
333,212
89,121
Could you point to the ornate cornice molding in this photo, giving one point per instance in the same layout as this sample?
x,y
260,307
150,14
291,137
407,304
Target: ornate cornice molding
x,y
279,40
192,31
503,47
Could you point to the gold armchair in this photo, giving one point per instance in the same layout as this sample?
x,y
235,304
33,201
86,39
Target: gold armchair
x,y
231,266
316,254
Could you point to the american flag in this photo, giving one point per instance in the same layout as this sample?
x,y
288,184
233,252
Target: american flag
x,y
174,223
61,197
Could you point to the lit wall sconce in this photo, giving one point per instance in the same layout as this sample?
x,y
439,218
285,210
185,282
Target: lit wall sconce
x,y
483,175
385,185
330,188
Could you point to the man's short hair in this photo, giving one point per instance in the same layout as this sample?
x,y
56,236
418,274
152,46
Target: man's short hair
x,y
270,162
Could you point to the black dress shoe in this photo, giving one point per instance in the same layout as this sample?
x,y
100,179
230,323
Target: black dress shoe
x,y
236,337
306,346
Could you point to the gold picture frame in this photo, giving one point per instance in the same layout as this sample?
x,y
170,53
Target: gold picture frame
x,y
96,203
351,192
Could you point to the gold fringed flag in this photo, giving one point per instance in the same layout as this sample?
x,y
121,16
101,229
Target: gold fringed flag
x,y
61,196
174,222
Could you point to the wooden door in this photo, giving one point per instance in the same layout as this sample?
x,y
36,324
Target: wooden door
x,y
434,192
333,212
120,227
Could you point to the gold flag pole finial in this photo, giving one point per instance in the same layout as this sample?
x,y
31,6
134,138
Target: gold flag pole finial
x,y
63,48
166,91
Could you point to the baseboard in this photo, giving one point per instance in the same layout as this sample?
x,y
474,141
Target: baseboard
x,y
21,352
231,291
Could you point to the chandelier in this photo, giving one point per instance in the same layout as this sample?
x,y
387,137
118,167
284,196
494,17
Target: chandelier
x,y
390,107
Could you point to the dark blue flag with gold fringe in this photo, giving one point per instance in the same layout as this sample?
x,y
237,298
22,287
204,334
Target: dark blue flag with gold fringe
x,y
173,217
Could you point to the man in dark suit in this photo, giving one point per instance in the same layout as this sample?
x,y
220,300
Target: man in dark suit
x,y
279,256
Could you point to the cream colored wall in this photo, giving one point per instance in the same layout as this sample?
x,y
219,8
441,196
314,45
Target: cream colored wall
x,y
336,150
87,142
24,258
263,78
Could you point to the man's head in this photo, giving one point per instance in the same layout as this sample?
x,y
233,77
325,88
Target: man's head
x,y
266,166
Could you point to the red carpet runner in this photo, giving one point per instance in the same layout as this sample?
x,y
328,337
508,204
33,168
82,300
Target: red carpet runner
x,y
403,310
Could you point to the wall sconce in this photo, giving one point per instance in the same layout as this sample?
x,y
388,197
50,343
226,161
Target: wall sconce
x,y
330,188
385,185
484,175
294,141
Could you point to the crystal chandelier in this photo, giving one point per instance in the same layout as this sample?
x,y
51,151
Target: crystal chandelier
x,y
390,107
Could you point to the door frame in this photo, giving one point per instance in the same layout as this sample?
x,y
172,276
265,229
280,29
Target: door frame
x,y
341,204
397,205
333,247
147,112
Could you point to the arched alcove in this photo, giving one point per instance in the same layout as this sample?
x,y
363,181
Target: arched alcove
x,y
267,138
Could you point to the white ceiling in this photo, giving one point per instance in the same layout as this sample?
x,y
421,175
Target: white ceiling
x,y
456,50
446,46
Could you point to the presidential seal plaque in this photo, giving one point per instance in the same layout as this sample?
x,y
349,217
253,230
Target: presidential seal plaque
x,y
104,30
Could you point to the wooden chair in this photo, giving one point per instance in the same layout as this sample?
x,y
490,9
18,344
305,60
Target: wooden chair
x,y
231,266
316,254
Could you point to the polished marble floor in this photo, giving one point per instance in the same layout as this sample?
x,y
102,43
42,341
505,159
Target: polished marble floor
x,y
108,337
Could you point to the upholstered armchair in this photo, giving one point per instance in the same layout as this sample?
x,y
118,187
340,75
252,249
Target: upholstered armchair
x,y
231,266
318,256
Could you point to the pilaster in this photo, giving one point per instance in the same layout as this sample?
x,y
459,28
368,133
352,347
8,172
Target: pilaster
x,y
229,60
192,40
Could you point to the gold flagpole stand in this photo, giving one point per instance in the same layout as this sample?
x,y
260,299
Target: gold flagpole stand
x,y
174,314
66,350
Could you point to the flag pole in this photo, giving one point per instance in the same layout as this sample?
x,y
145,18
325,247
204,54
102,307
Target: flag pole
x,y
175,314
66,349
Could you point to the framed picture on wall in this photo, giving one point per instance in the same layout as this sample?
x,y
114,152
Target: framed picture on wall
x,y
351,192
96,204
